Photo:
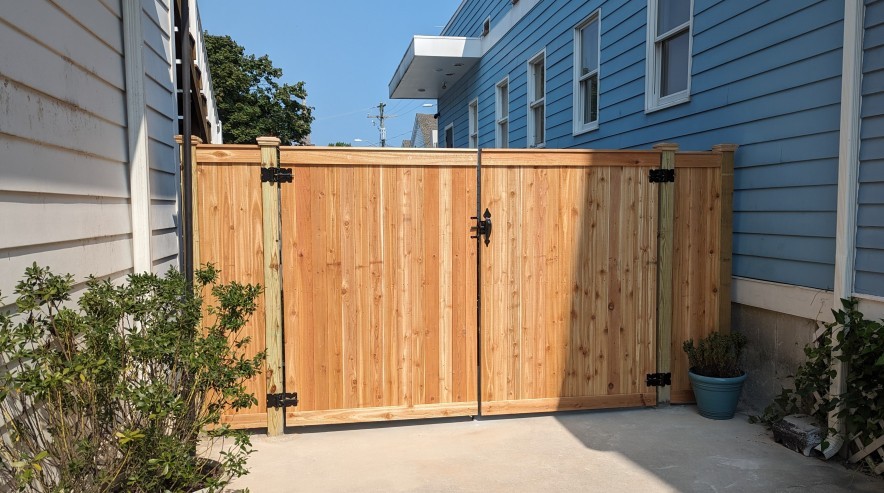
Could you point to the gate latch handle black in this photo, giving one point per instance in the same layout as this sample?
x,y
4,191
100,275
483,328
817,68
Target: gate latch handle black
x,y
483,226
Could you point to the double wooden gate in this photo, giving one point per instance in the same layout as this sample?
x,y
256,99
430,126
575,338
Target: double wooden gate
x,y
392,308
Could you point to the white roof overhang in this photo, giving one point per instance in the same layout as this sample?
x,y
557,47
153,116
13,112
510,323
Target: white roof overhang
x,y
432,64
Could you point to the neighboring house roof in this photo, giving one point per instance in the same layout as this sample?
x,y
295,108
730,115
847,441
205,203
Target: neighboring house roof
x,y
407,143
422,132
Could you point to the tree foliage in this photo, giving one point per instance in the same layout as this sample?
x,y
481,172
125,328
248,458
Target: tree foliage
x,y
251,100
340,144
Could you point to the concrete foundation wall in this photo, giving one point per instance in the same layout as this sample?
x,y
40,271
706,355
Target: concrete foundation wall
x,y
776,348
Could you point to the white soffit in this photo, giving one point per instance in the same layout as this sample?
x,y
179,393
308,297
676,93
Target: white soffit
x,y
432,62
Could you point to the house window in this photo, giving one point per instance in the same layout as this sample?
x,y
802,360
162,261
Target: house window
x,y
586,74
449,135
669,53
474,123
537,100
502,114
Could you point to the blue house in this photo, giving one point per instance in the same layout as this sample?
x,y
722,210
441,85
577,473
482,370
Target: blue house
x,y
798,84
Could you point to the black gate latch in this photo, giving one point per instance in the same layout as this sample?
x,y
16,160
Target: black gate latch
x,y
282,400
276,175
658,379
483,227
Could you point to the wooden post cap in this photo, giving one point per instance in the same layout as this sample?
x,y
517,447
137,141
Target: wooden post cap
x,y
268,141
194,140
666,146
725,147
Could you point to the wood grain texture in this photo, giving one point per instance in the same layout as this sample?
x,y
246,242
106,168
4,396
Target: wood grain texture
x,y
272,287
377,273
697,257
367,157
568,309
228,153
232,237
563,158
553,404
381,414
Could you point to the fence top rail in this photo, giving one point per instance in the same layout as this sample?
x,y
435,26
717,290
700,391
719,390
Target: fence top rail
x,y
348,156
568,158
698,159
228,154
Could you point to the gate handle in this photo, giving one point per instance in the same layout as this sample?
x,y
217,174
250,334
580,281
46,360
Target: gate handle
x,y
483,227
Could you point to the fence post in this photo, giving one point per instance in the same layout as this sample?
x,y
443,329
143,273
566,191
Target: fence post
x,y
272,289
194,246
665,243
725,238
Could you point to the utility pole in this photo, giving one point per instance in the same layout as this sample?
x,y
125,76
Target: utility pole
x,y
381,117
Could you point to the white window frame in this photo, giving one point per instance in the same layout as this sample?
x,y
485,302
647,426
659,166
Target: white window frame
x,y
654,58
534,103
473,118
445,135
578,104
501,90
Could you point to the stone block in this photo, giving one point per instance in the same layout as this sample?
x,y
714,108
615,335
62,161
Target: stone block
x,y
799,432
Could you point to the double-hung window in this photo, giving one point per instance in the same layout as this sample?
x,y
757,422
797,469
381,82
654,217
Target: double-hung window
x,y
586,74
502,114
474,123
537,100
668,76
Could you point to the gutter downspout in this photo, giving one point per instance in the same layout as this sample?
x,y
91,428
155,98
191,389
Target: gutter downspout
x,y
848,169
187,155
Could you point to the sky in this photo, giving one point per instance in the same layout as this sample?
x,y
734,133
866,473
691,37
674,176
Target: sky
x,y
346,52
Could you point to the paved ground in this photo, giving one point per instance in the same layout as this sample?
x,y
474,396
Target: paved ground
x,y
646,450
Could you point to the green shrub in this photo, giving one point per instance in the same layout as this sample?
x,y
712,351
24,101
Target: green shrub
x,y
121,391
717,355
860,345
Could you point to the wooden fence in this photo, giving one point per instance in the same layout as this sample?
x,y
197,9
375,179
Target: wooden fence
x,y
592,278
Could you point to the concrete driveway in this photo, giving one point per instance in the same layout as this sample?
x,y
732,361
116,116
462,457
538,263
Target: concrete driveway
x,y
646,450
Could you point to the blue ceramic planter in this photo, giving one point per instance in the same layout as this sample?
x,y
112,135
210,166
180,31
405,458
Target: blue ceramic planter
x,y
717,397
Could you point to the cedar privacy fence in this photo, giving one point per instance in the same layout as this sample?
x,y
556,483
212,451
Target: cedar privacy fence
x,y
403,283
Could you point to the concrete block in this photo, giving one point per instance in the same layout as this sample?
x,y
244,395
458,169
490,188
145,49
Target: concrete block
x,y
798,432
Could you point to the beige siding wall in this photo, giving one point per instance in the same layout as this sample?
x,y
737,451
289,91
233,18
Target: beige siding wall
x,y
64,193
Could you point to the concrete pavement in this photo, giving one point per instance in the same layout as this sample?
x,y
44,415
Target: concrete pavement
x,y
647,450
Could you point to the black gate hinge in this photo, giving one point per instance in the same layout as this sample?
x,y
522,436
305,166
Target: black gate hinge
x,y
276,175
660,175
483,226
658,379
282,400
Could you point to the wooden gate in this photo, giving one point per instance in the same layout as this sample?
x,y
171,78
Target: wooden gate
x,y
592,278
379,283
569,280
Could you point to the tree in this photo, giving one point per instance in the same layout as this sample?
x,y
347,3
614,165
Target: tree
x,y
341,144
251,101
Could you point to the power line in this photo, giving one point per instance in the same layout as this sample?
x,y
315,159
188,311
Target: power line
x,y
381,119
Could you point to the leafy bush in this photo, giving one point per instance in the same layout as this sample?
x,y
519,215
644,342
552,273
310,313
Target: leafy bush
x,y
117,392
859,344
716,355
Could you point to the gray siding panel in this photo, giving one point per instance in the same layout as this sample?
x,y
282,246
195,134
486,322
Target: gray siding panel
x,y
869,260
765,75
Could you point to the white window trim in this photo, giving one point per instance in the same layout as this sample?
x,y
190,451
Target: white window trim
x,y
473,121
445,135
579,127
531,103
654,55
501,140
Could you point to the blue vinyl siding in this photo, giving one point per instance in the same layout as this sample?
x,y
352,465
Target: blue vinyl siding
x,y
870,210
765,75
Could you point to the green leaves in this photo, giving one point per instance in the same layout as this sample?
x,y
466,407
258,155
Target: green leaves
x,y
860,346
120,389
717,355
251,100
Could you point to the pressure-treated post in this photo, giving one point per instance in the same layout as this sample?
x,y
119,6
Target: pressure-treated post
x,y
272,289
665,243
725,232
194,246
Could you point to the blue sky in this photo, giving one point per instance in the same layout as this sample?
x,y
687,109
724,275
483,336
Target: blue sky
x,y
346,51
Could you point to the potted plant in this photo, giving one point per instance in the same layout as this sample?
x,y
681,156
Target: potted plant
x,y
715,373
